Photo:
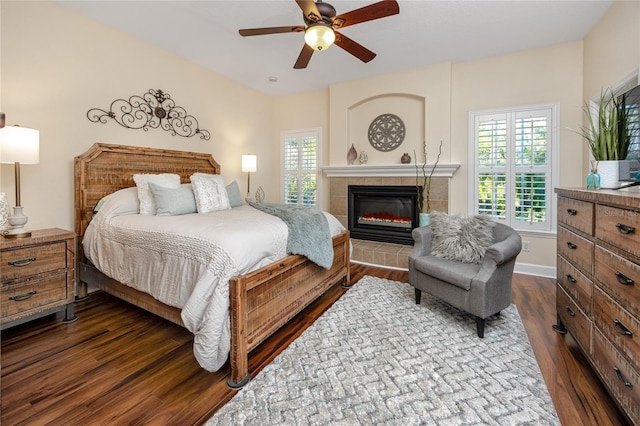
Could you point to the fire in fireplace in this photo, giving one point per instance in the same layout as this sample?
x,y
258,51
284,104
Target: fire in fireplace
x,y
383,213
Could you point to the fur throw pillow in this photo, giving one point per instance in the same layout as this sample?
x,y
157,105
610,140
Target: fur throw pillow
x,y
461,238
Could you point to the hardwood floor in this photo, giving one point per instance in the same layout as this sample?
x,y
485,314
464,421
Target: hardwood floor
x,y
120,365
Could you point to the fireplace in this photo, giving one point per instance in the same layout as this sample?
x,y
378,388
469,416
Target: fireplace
x,y
383,213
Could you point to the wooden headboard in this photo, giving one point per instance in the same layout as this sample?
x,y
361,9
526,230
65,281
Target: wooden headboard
x,y
105,168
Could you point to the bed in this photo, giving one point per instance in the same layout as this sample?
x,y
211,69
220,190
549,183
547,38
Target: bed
x,y
260,302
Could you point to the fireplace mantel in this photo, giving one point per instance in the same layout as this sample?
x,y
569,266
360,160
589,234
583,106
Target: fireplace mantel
x,y
390,170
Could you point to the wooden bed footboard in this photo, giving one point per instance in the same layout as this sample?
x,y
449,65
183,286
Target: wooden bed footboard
x,y
260,302
264,300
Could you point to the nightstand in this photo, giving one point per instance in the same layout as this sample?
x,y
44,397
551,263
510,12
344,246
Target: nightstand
x,y
37,276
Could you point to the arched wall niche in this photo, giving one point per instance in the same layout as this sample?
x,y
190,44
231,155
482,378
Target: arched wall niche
x,y
411,110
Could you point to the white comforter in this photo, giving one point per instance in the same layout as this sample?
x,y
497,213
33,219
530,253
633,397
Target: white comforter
x,y
186,261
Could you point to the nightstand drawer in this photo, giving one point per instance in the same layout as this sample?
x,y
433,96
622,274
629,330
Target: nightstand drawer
x,y
27,261
33,294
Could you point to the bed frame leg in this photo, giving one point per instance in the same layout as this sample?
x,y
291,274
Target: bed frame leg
x,y
240,384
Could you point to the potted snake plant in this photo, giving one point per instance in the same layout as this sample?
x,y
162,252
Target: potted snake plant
x,y
606,136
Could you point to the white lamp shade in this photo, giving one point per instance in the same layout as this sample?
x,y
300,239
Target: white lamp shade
x,y
249,163
319,36
19,145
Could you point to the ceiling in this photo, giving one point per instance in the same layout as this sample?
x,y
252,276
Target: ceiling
x,y
424,32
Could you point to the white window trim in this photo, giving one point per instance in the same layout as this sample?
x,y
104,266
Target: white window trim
x,y
319,184
555,160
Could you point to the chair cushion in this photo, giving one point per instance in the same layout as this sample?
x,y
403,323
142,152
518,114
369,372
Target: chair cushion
x,y
456,273
461,238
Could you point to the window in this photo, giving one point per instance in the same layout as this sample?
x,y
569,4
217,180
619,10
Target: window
x,y
512,166
301,174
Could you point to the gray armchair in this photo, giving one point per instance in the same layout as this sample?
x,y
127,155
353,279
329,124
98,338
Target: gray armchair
x,y
482,289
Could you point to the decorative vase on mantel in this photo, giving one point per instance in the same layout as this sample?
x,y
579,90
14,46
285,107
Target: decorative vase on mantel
x,y
352,155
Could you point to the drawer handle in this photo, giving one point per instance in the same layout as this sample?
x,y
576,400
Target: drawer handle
x,y
623,279
625,229
570,278
571,245
621,329
572,212
23,296
571,313
621,377
22,262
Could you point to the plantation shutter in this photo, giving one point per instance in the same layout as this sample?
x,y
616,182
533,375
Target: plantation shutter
x,y
301,170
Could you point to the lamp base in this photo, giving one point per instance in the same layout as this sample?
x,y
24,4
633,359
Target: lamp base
x,y
17,222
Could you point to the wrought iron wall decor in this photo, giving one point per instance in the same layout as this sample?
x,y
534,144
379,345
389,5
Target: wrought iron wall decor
x,y
386,132
154,109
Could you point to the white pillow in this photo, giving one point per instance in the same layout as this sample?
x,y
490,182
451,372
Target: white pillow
x,y
210,192
147,203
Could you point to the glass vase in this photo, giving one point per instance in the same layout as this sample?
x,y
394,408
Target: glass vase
x,y
593,180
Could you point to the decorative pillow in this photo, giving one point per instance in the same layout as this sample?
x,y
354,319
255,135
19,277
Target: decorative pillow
x,y
210,192
173,201
461,238
233,191
122,202
147,204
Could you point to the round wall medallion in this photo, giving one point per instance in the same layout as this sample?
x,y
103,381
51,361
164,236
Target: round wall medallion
x,y
386,132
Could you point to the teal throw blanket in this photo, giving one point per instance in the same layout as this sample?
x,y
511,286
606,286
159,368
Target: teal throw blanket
x,y
309,233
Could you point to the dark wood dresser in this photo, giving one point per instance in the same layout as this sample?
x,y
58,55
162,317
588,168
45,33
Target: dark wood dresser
x,y
598,285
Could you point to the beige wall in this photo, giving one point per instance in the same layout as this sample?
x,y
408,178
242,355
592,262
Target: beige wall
x,y
56,65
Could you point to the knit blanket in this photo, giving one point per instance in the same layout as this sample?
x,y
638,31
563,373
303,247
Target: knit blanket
x,y
309,233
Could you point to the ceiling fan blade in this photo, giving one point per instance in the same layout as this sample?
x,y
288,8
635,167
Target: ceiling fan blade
x,y
367,13
270,30
304,57
356,49
310,10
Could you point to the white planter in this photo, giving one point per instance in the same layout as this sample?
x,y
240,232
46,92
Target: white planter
x,y
609,174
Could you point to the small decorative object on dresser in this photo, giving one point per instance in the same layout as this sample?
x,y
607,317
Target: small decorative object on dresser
x,y
598,274
593,178
37,276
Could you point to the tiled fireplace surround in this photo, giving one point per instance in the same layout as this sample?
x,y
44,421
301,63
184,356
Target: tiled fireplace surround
x,y
372,252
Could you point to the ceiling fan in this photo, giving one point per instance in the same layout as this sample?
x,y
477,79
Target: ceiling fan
x,y
322,23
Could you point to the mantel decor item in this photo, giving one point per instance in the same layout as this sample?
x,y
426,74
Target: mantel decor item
x,y
386,132
363,157
352,154
423,183
406,158
154,109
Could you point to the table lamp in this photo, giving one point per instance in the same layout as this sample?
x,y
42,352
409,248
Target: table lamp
x,y
18,145
249,165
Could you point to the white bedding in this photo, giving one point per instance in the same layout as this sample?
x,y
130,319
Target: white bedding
x,y
186,261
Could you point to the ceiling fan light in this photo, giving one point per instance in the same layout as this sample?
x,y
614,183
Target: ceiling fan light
x,y
319,36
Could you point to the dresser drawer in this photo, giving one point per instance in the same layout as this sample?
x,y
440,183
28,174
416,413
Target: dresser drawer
x,y
619,278
577,250
27,261
578,324
619,227
621,379
576,214
576,284
618,326
40,293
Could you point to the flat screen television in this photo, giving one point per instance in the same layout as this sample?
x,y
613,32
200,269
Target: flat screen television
x,y
629,170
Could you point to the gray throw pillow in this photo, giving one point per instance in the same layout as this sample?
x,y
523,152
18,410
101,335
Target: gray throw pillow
x,y
461,238
233,190
173,201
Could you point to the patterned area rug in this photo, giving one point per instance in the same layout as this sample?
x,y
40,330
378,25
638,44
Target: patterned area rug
x,y
377,358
